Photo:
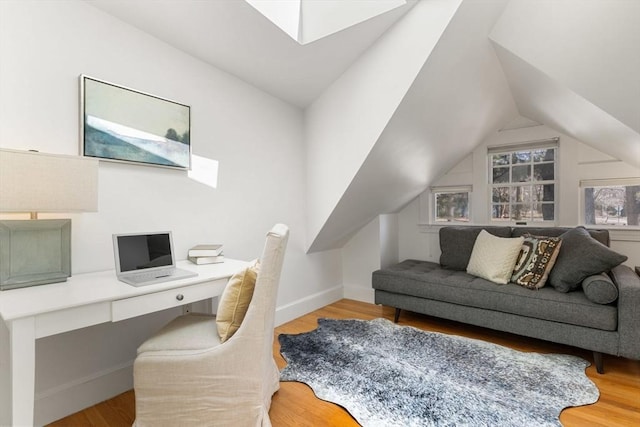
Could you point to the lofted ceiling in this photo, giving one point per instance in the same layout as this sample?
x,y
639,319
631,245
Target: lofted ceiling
x,y
458,96
574,66
235,37
387,110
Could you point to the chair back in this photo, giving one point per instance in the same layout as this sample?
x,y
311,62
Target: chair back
x,y
227,384
260,315
256,330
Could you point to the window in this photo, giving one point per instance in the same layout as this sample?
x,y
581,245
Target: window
x,y
612,202
451,204
522,182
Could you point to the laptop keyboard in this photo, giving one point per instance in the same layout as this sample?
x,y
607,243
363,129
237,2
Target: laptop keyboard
x,y
147,277
152,277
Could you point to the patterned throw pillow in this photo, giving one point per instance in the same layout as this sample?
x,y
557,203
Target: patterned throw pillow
x,y
536,259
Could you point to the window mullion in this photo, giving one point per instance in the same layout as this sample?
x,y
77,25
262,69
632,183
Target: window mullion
x,y
526,197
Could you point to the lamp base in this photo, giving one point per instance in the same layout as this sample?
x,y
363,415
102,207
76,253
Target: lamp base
x,y
34,252
36,279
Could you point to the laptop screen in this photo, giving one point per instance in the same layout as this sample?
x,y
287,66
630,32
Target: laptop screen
x,y
142,251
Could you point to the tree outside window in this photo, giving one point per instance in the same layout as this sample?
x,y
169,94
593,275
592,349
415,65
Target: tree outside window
x,y
451,206
612,205
523,184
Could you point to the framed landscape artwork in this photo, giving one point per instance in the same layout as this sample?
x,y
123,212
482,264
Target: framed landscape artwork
x,y
125,125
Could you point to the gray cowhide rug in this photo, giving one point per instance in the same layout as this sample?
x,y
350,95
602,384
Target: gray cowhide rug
x,y
389,375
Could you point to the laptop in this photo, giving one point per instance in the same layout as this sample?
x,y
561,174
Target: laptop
x,y
146,258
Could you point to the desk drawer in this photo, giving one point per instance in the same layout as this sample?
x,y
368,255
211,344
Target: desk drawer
x,y
149,303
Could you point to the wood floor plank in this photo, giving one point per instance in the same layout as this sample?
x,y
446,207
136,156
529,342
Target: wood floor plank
x,y
296,405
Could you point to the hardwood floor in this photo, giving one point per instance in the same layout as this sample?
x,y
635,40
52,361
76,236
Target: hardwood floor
x,y
295,404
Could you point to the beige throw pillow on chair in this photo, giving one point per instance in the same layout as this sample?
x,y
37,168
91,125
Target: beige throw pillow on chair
x,y
234,301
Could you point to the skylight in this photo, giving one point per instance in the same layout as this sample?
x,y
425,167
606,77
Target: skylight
x,y
309,20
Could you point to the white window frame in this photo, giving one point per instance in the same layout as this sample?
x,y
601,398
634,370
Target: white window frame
x,y
449,189
609,182
551,143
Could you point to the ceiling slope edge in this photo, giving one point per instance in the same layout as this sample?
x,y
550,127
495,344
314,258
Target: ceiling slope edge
x,y
547,101
591,48
344,123
459,98
306,21
320,19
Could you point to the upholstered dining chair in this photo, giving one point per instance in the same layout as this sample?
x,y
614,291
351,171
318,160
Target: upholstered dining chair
x,y
185,376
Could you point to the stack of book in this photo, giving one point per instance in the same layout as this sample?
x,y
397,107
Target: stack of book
x,y
206,254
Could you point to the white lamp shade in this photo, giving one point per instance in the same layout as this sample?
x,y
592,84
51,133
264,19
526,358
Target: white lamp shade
x,y
38,182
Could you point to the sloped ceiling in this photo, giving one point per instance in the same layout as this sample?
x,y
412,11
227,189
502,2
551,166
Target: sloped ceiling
x,y
233,36
458,97
575,66
545,100
569,64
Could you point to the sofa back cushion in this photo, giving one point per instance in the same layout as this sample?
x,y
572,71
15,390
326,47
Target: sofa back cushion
x,y
456,244
601,236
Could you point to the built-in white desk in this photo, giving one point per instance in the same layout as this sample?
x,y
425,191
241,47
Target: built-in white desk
x,y
86,300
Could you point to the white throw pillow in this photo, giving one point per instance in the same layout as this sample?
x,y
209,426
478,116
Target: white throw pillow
x,y
493,258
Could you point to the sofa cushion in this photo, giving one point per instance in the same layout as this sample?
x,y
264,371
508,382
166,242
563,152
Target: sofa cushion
x,y
581,256
493,257
536,259
601,236
600,289
456,244
428,280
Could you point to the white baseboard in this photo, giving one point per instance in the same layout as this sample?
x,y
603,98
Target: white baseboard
x,y
359,293
69,398
306,305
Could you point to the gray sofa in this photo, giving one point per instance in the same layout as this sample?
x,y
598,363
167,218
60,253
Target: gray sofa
x,y
445,290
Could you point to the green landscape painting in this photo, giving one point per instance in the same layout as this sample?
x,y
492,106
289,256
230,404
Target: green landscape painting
x,y
125,125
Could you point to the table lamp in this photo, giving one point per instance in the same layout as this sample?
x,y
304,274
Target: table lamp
x,y
38,251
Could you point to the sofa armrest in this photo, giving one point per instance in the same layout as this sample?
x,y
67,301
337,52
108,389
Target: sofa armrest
x,y
628,311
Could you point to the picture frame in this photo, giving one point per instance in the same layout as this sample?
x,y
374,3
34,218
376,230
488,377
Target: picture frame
x,y
121,124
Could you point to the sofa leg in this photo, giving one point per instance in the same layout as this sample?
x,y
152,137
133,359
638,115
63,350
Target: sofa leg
x,y
396,316
597,359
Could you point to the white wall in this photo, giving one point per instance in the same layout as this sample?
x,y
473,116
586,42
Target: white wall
x,y
576,161
373,247
361,257
389,250
416,241
44,47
